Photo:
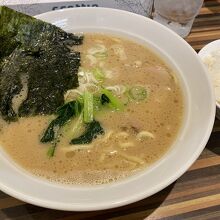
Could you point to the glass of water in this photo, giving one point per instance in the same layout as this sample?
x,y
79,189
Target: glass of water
x,y
178,15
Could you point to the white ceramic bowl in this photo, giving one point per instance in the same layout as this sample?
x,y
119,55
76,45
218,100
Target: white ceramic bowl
x,y
205,51
196,129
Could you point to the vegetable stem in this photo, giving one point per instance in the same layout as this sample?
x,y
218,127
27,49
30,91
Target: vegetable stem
x,y
72,129
51,150
88,107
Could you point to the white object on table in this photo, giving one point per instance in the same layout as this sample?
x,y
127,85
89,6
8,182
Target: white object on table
x,y
210,55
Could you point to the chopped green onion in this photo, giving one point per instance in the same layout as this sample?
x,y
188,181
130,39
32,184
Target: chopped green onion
x,y
101,55
98,74
114,101
138,93
88,107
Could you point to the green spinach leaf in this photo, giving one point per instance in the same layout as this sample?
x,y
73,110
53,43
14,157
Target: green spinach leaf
x,y
65,113
93,129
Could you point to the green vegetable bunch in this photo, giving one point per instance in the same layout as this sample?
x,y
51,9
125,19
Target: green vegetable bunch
x,y
84,108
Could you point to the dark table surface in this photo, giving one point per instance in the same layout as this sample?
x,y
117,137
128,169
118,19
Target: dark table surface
x,y
194,196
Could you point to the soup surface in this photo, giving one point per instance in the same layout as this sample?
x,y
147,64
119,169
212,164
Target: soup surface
x,y
134,137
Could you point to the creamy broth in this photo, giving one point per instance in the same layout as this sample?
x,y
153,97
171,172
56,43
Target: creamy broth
x,y
134,138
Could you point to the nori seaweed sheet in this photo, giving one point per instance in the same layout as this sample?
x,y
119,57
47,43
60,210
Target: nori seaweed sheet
x,y
41,52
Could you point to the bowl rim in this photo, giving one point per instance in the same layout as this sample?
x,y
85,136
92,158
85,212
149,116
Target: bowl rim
x,y
141,195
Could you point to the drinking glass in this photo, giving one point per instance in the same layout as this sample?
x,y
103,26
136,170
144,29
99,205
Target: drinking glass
x,y
178,15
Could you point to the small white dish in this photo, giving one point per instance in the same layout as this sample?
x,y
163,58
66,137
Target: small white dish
x,y
195,132
204,52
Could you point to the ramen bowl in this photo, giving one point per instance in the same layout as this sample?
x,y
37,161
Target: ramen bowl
x,y
191,140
